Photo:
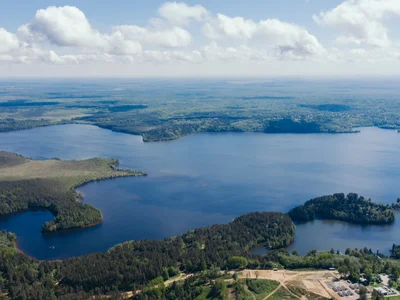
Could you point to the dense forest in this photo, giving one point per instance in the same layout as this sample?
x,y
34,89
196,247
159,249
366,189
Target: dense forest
x,y
194,251
291,126
29,184
16,196
350,208
205,252
133,265
11,124
145,265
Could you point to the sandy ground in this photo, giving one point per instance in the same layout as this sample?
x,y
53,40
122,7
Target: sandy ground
x,y
313,281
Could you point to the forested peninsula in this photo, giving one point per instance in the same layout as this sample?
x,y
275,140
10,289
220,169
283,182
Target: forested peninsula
x,y
138,269
350,208
50,184
134,265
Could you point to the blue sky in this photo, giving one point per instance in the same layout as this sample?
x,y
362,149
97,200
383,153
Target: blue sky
x,y
104,13
199,38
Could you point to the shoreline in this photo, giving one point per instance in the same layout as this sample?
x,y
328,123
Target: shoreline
x,y
352,131
79,197
350,222
73,228
19,250
139,174
265,247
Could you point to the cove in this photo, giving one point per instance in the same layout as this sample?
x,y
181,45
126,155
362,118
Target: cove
x,y
209,178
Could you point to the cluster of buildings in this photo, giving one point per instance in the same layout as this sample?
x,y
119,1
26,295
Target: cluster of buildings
x,y
386,290
343,290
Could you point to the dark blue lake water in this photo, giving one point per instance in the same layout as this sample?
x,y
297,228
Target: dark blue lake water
x,y
211,178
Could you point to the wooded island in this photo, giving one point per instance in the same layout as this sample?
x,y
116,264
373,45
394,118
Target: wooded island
x,y
350,208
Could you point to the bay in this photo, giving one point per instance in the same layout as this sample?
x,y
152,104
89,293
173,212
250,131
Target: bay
x,y
211,178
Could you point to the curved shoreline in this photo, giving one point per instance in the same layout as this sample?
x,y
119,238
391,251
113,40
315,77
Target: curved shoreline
x,y
144,140
351,131
111,192
79,198
250,250
74,228
111,171
19,250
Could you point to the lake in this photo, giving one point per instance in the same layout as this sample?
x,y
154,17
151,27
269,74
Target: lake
x,y
211,178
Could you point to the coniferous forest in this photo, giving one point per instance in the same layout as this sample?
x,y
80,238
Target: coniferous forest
x,y
133,265
143,266
350,208
50,184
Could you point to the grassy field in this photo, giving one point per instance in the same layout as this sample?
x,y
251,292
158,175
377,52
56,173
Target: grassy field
x,y
294,284
282,294
252,288
70,173
204,294
261,288
29,184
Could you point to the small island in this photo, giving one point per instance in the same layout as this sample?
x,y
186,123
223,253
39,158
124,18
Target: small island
x,y
196,265
141,265
350,208
28,184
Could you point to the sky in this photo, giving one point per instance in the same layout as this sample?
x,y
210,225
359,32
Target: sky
x,y
204,38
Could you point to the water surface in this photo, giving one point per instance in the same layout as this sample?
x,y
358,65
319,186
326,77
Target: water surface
x,y
211,178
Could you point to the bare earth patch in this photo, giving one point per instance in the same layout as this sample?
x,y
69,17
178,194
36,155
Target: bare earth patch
x,y
296,281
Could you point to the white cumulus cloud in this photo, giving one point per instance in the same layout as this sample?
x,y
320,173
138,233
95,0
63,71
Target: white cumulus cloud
x,y
8,41
65,26
180,13
361,21
117,44
64,35
173,37
271,33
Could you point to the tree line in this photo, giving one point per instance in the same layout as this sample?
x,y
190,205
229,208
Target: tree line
x,y
16,196
133,265
350,208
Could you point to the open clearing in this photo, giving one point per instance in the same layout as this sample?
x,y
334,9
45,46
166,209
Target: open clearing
x,y
294,285
71,173
300,284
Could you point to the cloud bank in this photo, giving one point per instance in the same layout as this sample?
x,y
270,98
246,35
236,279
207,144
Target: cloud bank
x,y
191,34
